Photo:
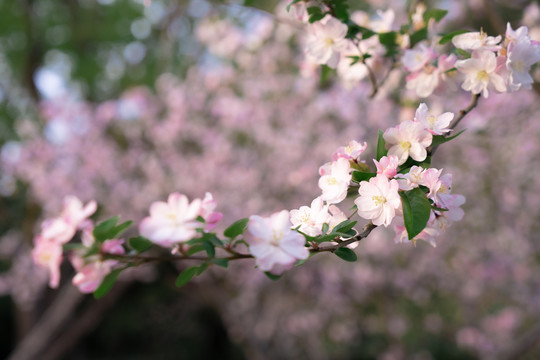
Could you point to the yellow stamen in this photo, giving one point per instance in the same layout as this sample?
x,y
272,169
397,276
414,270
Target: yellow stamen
x,y
379,200
405,145
482,76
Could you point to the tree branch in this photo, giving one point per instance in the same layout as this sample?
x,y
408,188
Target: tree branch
x,y
462,114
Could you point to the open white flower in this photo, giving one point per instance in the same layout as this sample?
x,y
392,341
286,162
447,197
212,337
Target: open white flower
x,y
480,73
311,219
273,244
521,55
327,41
476,40
378,200
173,221
335,181
437,125
409,138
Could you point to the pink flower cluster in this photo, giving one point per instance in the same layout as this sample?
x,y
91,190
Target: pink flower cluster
x,y
58,231
177,220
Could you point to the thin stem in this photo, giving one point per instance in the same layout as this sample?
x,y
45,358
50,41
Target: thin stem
x,y
462,114
148,259
142,259
368,228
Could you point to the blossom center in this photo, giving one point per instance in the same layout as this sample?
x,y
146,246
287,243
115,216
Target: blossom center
x,y
519,66
379,200
276,237
328,42
482,76
431,119
406,145
332,181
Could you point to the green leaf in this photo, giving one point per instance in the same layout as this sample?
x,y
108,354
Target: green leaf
x,y
360,176
107,284
102,229
448,37
346,254
355,29
200,219
463,53
327,73
315,14
325,228
118,230
213,239
186,275
202,268
437,14
72,246
381,146
328,237
388,40
341,10
344,226
438,208
441,139
418,36
416,211
272,276
194,249
140,244
109,230
236,228
209,248
224,263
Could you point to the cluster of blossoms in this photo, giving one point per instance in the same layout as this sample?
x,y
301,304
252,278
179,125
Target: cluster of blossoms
x,y
279,241
86,257
486,62
403,174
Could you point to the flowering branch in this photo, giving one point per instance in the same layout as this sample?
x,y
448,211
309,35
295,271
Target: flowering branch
x,y
399,189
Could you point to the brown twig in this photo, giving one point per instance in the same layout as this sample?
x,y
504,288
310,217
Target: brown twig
x,y
462,114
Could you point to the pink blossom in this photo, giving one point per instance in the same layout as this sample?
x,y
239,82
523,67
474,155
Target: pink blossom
x,y
437,125
412,179
90,275
430,179
512,35
58,230
92,270
171,222
74,212
415,59
407,139
480,73
352,151
387,166
334,185
311,219
378,200
113,246
472,41
273,244
211,217
47,253
521,55
327,41
425,81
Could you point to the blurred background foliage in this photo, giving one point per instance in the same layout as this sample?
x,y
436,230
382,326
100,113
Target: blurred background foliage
x,y
94,50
